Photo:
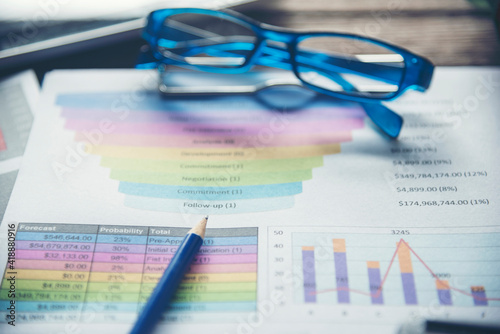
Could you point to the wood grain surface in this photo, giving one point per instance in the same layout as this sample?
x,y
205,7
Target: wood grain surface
x,y
448,32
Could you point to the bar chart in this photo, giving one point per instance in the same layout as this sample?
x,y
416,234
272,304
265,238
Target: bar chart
x,y
107,272
386,268
217,155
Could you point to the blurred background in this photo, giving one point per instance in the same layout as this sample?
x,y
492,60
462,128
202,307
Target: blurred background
x,y
60,34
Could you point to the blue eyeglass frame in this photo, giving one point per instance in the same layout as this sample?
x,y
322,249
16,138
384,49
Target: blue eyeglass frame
x,y
416,73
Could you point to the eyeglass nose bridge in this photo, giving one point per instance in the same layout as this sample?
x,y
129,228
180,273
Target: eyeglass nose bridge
x,y
275,43
278,34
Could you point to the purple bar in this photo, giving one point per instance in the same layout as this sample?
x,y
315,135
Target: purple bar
x,y
479,296
444,296
309,276
409,288
375,281
341,277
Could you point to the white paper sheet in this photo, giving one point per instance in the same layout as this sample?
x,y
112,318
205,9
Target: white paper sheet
x,y
423,210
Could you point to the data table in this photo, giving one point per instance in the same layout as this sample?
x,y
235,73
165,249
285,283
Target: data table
x,y
105,273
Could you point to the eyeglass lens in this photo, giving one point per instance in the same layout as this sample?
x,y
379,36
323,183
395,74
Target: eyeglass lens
x,y
350,66
206,40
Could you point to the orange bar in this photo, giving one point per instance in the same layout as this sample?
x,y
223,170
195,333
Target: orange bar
x,y
339,245
308,248
373,264
442,285
404,258
477,288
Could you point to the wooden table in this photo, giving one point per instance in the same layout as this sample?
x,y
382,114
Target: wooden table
x,y
448,32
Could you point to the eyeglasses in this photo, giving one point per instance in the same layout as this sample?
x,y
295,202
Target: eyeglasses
x,y
341,65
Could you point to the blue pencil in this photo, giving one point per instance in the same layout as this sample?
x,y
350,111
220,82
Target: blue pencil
x,y
172,277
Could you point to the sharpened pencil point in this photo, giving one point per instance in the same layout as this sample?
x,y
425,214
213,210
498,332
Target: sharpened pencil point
x,y
200,228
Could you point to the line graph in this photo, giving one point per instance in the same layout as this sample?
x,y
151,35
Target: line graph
x,y
378,292
389,267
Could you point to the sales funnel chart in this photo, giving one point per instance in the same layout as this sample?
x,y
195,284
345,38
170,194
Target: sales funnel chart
x,y
209,155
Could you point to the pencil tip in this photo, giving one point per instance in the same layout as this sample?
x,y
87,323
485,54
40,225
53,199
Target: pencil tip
x,y
200,228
